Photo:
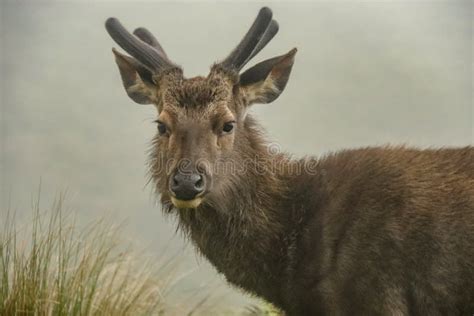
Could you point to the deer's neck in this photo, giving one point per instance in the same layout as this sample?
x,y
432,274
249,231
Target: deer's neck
x,y
248,235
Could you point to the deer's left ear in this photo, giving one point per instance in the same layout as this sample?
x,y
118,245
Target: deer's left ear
x,y
265,81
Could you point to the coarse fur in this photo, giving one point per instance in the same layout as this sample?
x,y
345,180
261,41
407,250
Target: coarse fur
x,y
385,230
369,231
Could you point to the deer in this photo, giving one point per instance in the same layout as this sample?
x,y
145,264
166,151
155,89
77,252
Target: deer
x,y
385,230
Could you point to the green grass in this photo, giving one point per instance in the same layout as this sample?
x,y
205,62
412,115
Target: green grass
x,y
53,266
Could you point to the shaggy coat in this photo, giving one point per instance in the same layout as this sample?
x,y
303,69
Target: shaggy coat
x,y
386,230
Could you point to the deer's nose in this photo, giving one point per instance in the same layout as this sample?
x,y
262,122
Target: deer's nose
x,y
187,186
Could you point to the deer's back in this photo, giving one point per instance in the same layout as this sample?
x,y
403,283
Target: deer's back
x,y
393,232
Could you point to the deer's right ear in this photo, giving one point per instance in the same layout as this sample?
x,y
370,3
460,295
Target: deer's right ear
x,y
137,80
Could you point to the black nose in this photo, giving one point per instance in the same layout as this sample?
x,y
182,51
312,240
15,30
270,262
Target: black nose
x,y
186,186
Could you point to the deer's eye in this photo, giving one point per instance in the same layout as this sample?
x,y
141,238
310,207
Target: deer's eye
x,y
161,128
228,127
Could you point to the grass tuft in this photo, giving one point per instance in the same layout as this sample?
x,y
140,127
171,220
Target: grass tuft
x,y
52,268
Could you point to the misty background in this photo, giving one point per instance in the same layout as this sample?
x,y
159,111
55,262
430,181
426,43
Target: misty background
x,y
366,73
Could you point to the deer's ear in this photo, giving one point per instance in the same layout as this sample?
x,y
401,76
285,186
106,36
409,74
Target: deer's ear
x,y
265,81
137,80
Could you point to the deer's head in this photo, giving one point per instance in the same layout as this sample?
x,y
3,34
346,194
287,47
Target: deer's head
x,y
200,120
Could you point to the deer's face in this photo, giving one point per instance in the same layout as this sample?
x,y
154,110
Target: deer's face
x,y
196,128
200,121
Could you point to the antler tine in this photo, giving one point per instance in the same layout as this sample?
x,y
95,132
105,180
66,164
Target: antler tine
x,y
267,37
241,54
146,36
139,49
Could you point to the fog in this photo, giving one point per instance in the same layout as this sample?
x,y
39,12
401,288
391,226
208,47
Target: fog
x,y
366,73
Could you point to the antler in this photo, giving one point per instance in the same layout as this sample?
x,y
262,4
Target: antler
x,y
260,33
146,36
144,46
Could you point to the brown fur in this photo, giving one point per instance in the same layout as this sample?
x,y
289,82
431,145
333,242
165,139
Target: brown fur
x,y
373,231
386,230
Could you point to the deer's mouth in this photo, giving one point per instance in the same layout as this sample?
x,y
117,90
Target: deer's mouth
x,y
194,203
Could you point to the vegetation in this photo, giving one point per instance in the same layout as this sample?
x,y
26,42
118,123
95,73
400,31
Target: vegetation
x,y
60,270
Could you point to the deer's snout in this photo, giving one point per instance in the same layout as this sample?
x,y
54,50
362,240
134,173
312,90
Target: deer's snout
x,y
187,188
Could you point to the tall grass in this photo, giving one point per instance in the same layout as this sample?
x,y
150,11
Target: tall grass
x,y
53,268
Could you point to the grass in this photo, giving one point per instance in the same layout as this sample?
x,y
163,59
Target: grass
x,y
53,268
50,266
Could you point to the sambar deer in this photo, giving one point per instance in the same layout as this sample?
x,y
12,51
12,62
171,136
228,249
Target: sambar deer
x,y
381,230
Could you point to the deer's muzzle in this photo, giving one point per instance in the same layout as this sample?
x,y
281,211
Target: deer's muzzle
x,y
187,188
